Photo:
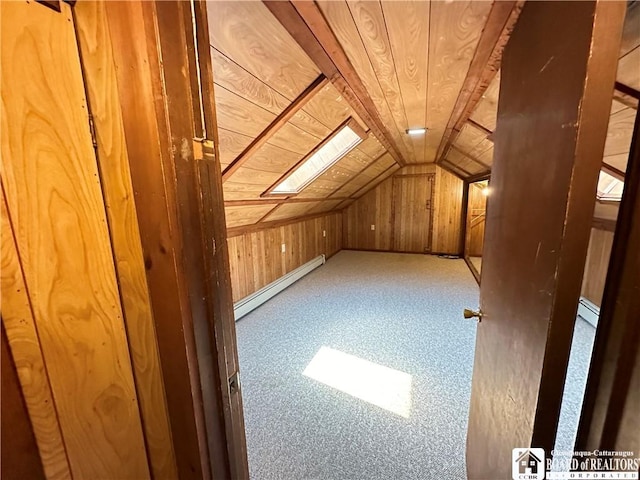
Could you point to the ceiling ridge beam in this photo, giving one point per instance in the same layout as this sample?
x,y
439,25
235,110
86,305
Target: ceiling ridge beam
x,y
277,123
483,69
307,25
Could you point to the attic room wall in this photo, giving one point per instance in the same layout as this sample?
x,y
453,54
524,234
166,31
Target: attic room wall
x,y
377,208
597,264
476,216
256,255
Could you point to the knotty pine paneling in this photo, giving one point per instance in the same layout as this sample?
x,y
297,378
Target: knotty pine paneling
x,y
447,213
398,231
597,264
256,257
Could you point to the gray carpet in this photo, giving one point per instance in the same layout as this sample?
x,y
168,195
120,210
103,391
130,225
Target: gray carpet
x,y
396,310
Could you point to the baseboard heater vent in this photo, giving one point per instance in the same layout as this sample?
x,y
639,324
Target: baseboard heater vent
x,y
253,301
588,311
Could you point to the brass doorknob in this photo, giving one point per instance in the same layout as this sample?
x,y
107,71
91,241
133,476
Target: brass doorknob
x,y
472,313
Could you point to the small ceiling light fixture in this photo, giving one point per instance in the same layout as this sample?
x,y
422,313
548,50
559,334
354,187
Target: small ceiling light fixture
x,y
416,131
485,191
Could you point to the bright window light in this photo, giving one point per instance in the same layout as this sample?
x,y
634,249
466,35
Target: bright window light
x,y
609,188
376,384
320,159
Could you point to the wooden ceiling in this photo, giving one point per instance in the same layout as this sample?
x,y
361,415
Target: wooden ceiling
x,y
399,65
288,73
470,151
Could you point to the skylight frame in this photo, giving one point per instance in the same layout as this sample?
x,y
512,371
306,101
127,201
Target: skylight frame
x,y
349,122
605,195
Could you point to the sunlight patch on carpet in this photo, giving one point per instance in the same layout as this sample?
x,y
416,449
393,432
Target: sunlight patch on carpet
x,y
376,384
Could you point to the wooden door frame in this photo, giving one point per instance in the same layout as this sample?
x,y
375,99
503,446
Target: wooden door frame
x,y
432,179
463,220
616,351
164,83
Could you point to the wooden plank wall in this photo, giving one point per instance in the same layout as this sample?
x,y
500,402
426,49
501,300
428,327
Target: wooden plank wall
x,y
256,257
377,208
373,208
58,231
476,216
113,161
447,213
597,265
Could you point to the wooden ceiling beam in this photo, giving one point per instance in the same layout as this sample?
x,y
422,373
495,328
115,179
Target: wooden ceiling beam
x,y
626,95
470,157
604,224
264,217
484,66
256,227
306,24
613,171
478,177
274,201
454,169
274,126
480,127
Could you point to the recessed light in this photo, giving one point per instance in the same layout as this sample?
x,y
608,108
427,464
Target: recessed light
x,y
416,131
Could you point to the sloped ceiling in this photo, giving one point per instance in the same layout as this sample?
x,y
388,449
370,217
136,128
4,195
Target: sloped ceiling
x,y
411,57
470,152
288,74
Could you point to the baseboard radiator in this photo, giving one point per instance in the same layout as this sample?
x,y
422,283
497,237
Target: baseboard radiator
x,y
588,311
253,301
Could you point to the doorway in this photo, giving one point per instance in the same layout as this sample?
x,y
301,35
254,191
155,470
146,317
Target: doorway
x,y
477,193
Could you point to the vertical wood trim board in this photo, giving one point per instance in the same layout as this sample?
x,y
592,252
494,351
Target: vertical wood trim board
x,y
597,265
113,162
141,96
57,214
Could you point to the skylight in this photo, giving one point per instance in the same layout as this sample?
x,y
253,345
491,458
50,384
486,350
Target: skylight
x,y
321,158
609,188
